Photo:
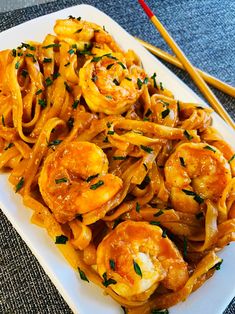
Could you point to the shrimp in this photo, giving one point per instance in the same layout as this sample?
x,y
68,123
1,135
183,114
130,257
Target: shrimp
x,y
195,172
137,257
108,85
74,180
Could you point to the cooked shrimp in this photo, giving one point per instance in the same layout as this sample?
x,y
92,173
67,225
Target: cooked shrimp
x,y
74,180
108,85
194,172
137,256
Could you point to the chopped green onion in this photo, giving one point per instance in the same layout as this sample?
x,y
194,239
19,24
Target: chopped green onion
x,y
97,185
82,275
147,149
137,269
19,185
187,135
92,177
210,148
137,207
106,282
112,264
61,180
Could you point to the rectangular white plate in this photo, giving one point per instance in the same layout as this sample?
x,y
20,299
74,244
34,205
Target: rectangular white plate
x,y
84,298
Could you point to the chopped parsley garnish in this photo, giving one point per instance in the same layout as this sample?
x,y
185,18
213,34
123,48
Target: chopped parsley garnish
x,y
110,132
109,97
17,65
119,157
61,239
218,265
182,162
209,148
24,73
8,146
137,269
112,264
110,66
122,65
82,275
68,63
145,81
116,82
153,77
107,281
109,124
71,51
92,177
185,247
148,113
47,60
97,185
70,123
51,46
199,215
27,46
67,87
48,81
42,103
96,59
79,18
128,79
137,207
147,149
13,52
161,86
159,213
19,185
75,104
164,234
3,120
55,75
146,119
165,113
105,140
196,197
30,55
154,223
187,135
144,183
116,222
54,143
232,158
139,83
61,180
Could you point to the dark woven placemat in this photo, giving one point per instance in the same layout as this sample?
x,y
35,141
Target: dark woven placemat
x,y
206,31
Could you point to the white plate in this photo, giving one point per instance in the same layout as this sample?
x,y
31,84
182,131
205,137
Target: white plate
x,y
84,298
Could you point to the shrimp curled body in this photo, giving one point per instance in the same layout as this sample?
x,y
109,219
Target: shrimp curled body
x,y
138,258
196,169
74,180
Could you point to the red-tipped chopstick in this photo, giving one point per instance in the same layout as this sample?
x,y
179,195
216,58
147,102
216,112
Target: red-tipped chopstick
x,y
214,102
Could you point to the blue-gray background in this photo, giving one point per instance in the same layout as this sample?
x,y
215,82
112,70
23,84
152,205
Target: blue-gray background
x,y
204,29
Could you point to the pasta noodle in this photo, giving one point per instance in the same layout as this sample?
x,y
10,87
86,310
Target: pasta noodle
x,y
135,187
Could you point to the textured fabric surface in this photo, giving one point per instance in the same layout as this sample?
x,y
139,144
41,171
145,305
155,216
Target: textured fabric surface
x,y
206,32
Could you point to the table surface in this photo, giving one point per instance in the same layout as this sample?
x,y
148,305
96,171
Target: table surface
x,y
205,32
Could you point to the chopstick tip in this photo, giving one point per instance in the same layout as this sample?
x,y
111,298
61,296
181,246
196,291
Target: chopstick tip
x,y
146,8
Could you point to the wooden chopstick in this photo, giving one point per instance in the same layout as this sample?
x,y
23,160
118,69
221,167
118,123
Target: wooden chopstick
x,y
214,102
226,88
